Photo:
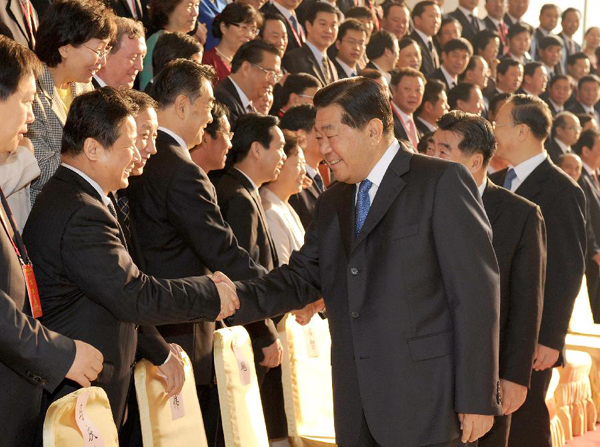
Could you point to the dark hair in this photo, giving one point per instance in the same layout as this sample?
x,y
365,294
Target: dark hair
x,y
586,139
569,10
406,71
518,28
458,44
361,100
421,7
180,77
584,118
462,92
126,27
321,6
359,12
142,100
573,58
218,111
587,31
159,12
560,120
389,4
72,22
301,117
98,114
5,31
297,83
446,20
556,78
350,24
17,62
588,78
548,6
483,38
291,143
234,14
171,46
534,113
432,93
424,141
531,67
505,64
249,128
370,73
470,66
252,52
496,100
406,42
380,41
269,17
478,135
550,41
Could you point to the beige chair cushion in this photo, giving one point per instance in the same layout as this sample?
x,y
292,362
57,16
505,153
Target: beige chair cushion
x,y
95,416
582,321
168,422
239,396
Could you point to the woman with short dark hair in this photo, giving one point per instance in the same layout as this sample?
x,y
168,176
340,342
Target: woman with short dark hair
x,y
73,41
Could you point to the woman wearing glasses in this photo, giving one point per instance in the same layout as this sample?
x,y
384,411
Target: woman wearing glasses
x,y
167,15
236,25
72,42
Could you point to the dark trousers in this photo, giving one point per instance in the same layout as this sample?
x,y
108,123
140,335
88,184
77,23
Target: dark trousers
x,y
208,396
592,277
530,424
498,435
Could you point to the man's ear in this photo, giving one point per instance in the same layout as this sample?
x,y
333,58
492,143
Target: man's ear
x,y
92,149
181,105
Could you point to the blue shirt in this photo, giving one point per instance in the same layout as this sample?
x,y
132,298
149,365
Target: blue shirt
x,y
208,12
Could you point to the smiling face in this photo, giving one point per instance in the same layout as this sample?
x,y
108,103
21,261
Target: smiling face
x,y
474,104
82,62
570,23
147,130
123,66
410,56
16,113
274,31
272,158
456,61
291,176
323,31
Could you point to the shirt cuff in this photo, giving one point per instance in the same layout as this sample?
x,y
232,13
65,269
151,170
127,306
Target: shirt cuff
x,y
168,358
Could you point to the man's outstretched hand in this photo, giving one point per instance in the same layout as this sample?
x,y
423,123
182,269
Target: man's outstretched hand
x,y
229,300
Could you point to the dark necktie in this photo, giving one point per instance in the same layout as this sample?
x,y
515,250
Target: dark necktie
x,y
363,203
112,210
319,182
123,204
325,67
511,175
474,23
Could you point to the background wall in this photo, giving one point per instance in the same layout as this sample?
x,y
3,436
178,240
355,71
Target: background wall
x,y
589,8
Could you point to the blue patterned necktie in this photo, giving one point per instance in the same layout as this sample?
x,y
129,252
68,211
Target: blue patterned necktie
x,y
363,203
510,176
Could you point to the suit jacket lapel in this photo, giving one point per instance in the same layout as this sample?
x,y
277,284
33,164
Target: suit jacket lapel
x,y
13,9
390,187
492,201
345,208
316,66
532,184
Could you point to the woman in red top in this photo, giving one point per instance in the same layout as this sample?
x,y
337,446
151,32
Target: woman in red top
x,y
236,25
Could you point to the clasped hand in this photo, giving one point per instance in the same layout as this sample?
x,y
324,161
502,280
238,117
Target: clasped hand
x,y
229,299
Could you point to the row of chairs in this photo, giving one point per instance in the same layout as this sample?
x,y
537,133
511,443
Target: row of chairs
x,y
83,418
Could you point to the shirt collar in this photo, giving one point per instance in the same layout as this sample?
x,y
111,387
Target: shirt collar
x,y
466,12
380,168
523,169
286,12
248,177
482,187
543,31
588,109
403,115
347,69
513,19
99,80
563,146
318,55
587,168
423,36
245,101
494,21
387,76
180,141
92,182
310,171
431,127
556,106
448,76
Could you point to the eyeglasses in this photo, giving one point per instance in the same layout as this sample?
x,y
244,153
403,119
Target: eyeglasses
x,y
229,135
355,43
495,125
100,53
247,29
192,6
272,75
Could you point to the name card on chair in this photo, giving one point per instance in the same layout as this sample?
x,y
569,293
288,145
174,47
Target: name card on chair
x,y
242,362
91,434
177,407
312,346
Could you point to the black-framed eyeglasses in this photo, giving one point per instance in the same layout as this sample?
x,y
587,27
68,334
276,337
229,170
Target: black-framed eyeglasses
x,y
272,75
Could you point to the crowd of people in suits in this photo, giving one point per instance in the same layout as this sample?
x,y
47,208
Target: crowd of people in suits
x,y
151,152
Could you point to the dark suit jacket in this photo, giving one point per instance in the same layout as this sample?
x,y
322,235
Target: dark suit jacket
x,y
91,288
428,64
32,358
520,245
468,30
304,204
578,109
563,206
437,74
492,26
544,96
293,38
406,319
341,73
227,94
302,60
122,9
422,129
553,149
182,233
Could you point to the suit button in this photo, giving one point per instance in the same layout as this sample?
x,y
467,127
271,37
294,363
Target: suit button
x,y
355,314
354,271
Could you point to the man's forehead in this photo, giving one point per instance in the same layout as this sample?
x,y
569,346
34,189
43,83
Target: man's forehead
x,y
329,118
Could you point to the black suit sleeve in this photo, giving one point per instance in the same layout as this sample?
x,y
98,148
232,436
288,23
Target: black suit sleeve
x,y
152,346
32,351
592,242
95,259
565,225
527,276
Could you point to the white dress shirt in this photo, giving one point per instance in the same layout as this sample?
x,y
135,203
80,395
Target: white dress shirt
x,y
350,72
527,167
315,51
379,170
386,75
563,147
245,101
180,141
452,81
556,106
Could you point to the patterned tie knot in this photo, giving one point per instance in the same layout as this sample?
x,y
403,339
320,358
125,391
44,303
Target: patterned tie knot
x,y
363,203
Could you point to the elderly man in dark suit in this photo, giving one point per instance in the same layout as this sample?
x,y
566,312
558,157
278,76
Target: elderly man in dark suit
x,y
409,321
565,133
588,148
255,69
90,286
522,125
32,358
520,245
